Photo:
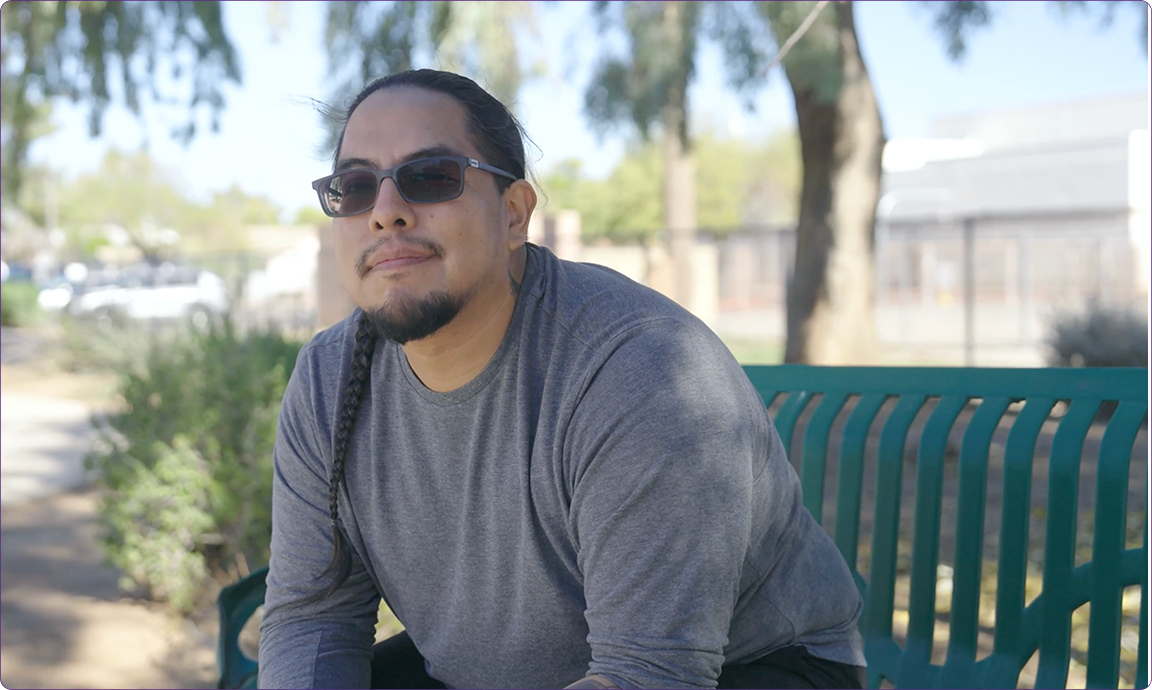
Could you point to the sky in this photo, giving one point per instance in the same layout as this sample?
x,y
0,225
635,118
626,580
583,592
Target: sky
x,y
270,136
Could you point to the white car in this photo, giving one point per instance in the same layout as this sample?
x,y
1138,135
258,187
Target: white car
x,y
166,292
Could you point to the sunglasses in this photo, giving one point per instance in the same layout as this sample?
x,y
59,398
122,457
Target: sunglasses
x,y
422,181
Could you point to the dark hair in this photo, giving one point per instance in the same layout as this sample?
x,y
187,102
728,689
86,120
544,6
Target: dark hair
x,y
494,130
499,138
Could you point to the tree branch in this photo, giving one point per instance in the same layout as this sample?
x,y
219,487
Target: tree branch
x,y
796,36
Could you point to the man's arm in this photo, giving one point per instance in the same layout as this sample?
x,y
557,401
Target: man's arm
x,y
318,643
666,449
593,683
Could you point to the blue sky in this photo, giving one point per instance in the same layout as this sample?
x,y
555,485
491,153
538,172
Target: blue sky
x,y
269,138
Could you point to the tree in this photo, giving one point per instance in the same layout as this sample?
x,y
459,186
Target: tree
x,y
132,192
90,51
648,87
739,183
830,306
311,215
245,208
368,40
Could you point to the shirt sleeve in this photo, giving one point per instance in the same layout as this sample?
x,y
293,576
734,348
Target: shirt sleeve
x,y
664,447
310,644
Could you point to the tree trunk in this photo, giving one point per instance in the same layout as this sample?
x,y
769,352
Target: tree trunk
x,y
679,168
830,299
680,213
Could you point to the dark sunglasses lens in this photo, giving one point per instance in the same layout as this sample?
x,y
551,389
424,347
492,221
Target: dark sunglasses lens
x,y
350,193
431,180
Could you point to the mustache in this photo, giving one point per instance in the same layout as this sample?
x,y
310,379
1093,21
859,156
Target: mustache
x,y
427,245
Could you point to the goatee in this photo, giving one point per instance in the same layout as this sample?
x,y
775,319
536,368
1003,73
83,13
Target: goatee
x,y
407,319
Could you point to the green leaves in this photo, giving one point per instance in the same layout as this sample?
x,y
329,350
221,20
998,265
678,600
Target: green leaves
x,y
954,21
654,74
89,51
133,192
18,305
369,40
185,463
813,64
161,523
738,182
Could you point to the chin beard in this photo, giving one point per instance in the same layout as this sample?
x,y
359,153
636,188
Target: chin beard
x,y
408,319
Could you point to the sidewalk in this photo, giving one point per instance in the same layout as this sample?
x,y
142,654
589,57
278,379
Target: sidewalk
x,y
42,446
64,622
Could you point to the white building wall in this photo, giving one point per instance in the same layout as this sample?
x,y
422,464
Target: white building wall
x,y
1139,203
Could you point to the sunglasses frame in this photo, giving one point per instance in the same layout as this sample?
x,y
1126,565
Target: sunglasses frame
x,y
463,161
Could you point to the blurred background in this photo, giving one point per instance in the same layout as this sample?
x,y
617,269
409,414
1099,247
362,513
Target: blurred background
x,y
906,183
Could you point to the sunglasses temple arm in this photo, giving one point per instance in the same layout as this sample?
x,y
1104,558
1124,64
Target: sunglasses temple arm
x,y
492,169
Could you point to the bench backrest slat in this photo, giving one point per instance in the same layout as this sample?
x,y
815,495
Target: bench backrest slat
x,y
851,473
1111,518
886,523
1142,646
967,572
1010,647
816,446
926,542
1060,543
789,412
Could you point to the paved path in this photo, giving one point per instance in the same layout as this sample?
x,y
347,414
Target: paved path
x,y
64,622
42,446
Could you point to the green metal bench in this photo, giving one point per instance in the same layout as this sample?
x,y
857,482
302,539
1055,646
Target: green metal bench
x,y
236,604
868,416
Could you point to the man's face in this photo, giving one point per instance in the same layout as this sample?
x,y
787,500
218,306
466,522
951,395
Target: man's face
x,y
416,266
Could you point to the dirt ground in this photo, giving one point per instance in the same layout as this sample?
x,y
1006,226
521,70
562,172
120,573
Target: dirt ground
x,y
64,621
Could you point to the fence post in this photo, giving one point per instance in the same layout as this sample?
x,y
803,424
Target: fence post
x,y
1025,274
969,291
904,280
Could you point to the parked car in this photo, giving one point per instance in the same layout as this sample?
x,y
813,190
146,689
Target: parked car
x,y
165,292
15,272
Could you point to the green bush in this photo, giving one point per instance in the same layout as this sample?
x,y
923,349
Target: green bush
x,y
18,305
1100,336
185,463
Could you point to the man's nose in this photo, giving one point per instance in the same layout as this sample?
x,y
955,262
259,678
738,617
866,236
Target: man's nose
x,y
391,210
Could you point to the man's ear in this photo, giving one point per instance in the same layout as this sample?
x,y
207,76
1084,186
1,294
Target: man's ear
x,y
519,202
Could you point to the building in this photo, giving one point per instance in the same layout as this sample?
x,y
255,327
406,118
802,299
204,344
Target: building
x,y
1033,211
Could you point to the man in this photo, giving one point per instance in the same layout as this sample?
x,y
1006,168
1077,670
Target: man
x,y
554,476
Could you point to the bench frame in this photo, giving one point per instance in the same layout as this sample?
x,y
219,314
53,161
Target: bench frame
x,y
1020,630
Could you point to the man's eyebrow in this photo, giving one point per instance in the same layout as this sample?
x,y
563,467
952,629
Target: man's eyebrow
x,y
347,163
430,152
426,152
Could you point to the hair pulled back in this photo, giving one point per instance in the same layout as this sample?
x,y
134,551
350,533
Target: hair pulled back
x,y
493,129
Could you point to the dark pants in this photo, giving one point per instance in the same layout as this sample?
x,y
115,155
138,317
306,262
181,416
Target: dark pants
x,y
397,664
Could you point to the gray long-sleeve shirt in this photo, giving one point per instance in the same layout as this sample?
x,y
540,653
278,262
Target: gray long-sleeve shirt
x,y
608,496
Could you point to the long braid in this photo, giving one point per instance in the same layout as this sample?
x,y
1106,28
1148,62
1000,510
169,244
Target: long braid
x,y
358,376
498,137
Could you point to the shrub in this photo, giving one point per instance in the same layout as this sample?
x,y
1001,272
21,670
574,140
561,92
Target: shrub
x,y
18,306
1101,336
185,463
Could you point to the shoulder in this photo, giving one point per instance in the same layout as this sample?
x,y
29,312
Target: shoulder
x,y
321,365
596,305
635,338
329,348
